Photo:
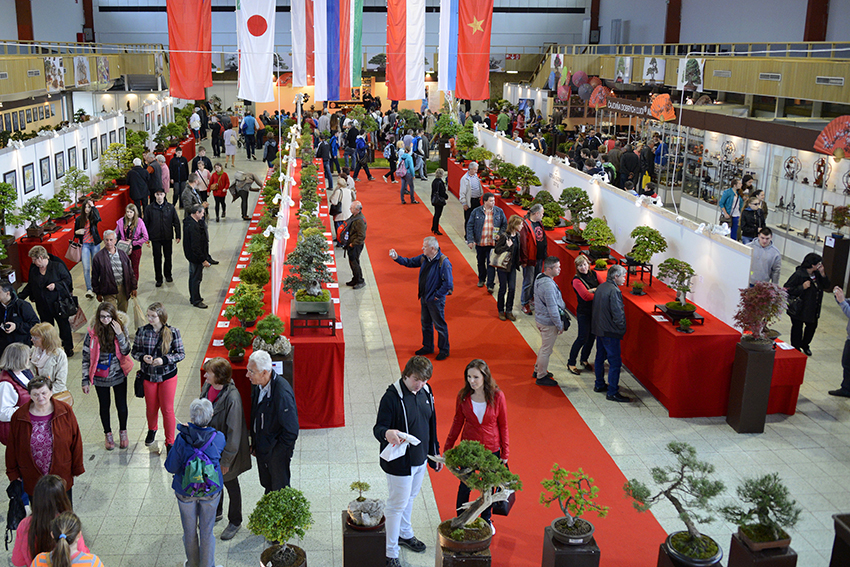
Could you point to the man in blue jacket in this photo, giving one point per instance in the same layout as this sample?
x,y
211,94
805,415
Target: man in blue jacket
x,y
435,283
484,227
249,128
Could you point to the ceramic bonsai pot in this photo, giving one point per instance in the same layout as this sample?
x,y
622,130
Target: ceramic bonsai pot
x,y
581,526
313,306
683,559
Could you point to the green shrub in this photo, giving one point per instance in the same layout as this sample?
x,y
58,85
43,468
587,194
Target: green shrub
x,y
255,273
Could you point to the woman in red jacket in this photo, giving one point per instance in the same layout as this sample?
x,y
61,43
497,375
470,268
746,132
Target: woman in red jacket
x,y
481,412
219,184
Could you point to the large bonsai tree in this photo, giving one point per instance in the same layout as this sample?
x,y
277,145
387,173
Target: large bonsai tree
x,y
677,274
760,304
307,268
576,200
648,241
598,234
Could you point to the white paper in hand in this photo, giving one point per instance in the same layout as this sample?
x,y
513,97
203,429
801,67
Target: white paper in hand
x,y
392,452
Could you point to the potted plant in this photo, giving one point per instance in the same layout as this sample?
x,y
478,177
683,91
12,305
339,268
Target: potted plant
x,y
236,340
54,209
759,305
685,326
365,513
525,201
648,241
770,509
247,304
8,201
466,140
268,336
577,202
600,265
76,183
32,211
255,273
447,127
479,155
600,236
480,470
116,161
677,274
841,218
307,273
637,288
526,178
688,486
279,516
548,223
575,493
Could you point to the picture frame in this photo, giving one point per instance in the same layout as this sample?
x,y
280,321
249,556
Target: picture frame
x,y
158,119
113,137
103,144
15,122
72,157
44,165
147,121
22,119
93,145
8,121
59,160
53,109
122,133
29,115
29,178
11,177
41,113
85,159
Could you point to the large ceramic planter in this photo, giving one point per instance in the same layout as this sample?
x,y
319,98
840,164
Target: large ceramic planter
x,y
313,306
462,546
599,252
683,559
300,557
581,526
680,313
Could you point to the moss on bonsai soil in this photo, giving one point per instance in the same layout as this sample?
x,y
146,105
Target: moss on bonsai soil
x,y
476,531
302,295
761,534
676,306
701,548
579,528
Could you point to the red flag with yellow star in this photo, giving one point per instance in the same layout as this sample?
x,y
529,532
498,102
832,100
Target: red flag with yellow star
x,y
473,49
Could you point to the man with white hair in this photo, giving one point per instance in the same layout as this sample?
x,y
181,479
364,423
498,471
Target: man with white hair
x,y
112,276
274,421
470,192
137,179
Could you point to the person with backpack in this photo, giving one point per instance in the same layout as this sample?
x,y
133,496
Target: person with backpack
x,y
195,462
404,169
270,150
361,158
391,155
335,137
342,196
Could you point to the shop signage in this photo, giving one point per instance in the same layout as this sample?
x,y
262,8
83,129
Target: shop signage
x,y
630,107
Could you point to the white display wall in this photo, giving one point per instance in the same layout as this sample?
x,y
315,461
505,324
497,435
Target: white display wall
x,y
39,166
722,265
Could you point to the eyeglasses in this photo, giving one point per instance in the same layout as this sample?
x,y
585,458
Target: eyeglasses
x,y
105,317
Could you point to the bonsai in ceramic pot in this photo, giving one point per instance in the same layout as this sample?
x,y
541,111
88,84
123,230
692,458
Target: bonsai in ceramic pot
x,y
768,510
247,304
688,486
637,288
32,212
307,273
677,274
280,516
268,336
365,513
526,179
77,184
760,305
599,236
577,202
648,242
236,340
575,493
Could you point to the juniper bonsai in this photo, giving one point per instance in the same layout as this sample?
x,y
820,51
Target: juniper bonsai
x,y
576,200
677,274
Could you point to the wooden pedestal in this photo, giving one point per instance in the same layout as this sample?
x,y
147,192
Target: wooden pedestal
x,y
741,556
841,545
557,554
363,549
749,391
835,260
447,558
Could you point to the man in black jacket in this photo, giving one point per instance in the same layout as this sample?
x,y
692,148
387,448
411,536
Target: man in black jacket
x,y
351,145
629,167
356,241
323,152
196,247
179,168
608,323
162,223
647,161
18,317
274,421
407,408
202,156
137,178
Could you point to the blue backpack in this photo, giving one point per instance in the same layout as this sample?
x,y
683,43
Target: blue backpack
x,y
388,151
199,475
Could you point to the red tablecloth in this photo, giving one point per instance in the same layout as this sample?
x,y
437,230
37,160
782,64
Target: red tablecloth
x,y
188,147
111,208
318,357
453,175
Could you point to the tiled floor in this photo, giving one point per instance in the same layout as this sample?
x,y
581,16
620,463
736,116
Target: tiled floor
x,y
129,511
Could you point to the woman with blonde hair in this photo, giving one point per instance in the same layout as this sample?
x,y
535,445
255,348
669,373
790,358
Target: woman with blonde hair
x,y
47,357
67,531
132,229
50,281
14,377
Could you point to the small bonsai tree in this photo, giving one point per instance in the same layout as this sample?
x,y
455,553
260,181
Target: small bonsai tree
x,y
447,125
31,211
255,273
841,217
479,154
576,200
76,183
247,303
648,241
598,234
53,208
543,198
507,171
685,324
548,223
116,161
236,340
361,487
637,287
268,336
601,264
308,270
279,516
688,486
410,118
770,509
677,274
552,210
365,511
760,305
364,120
574,492
526,178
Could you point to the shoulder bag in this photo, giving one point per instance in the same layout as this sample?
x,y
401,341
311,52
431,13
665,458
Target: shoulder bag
x,y
500,261
68,304
75,252
65,396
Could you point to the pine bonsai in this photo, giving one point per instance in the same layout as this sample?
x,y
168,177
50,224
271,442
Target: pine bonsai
x,y
268,336
365,511
692,76
770,510
677,274
279,516
760,305
31,211
648,241
576,200
574,492
308,270
526,178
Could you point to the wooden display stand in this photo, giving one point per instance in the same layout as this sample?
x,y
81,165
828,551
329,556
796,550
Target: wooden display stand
x,y
749,390
741,556
363,548
835,259
557,554
447,558
841,545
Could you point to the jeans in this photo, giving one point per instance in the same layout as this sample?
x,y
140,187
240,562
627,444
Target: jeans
x,y
746,239
485,270
329,182
799,337
734,227
528,275
335,162
178,190
87,253
474,203
361,164
433,316
234,509
418,165
161,251
350,157
103,400
608,348
354,262
507,283
196,275
198,516
402,492
391,174
159,396
407,186
249,145
548,336
584,341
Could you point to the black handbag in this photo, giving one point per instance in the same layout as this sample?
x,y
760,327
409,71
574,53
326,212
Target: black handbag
x,y
17,512
68,304
139,386
503,507
795,304
565,318
335,209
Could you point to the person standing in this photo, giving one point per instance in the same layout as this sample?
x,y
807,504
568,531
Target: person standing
x,y
608,323
113,278
343,195
15,375
391,153
18,317
244,183
137,178
435,283
351,145
805,295
629,167
179,168
154,176
219,184
439,198
191,194
508,242
162,224
752,220
470,191
203,184
407,178
201,158
49,281
484,227
165,175
647,162
231,142
217,136
132,229
195,124
270,150
68,546
361,158
249,128
533,250
159,347
87,233
356,240
549,316
406,408
196,247
731,204
274,421
766,261
323,152
585,283
47,358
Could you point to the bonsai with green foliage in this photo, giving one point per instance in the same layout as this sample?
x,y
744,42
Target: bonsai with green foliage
x,y
769,509
598,234
365,511
479,154
247,304
364,120
53,208
280,516
466,139
8,200
255,273
76,183
548,223
576,200
526,179
137,143
685,324
601,264
552,210
575,494
677,274
543,198
236,340
32,211
447,125
648,241
308,270
507,171
688,486
260,243
268,336
410,119
116,161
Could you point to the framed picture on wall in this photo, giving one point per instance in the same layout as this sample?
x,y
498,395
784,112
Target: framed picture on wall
x,y
147,121
85,159
22,119
11,177
41,113
52,110
158,119
72,157
93,144
121,135
59,158
15,127
113,137
44,163
29,115
29,178
103,144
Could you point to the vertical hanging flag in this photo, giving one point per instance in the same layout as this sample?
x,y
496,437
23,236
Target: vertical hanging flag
x,y
255,35
406,49
465,47
356,43
303,45
336,23
447,48
190,45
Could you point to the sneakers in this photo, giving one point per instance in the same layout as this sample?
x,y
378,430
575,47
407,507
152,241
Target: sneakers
x,y
89,294
124,439
526,308
547,380
109,444
412,544
150,438
229,532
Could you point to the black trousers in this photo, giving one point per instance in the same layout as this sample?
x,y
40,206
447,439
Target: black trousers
x,y
48,316
802,338
140,204
274,468
244,196
463,497
234,509
249,145
103,399
220,201
161,250
475,202
354,263
196,275
438,212
361,164
485,270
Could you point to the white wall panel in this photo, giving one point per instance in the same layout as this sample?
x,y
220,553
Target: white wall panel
x,y
55,21
743,21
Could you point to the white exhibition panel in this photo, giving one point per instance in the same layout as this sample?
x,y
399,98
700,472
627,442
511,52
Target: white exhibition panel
x,y
721,264
76,137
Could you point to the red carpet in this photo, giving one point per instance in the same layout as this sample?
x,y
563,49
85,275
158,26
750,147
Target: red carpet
x,y
544,427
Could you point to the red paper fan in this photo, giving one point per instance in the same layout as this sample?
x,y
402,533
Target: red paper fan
x,y
834,140
662,108
595,82
599,98
579,79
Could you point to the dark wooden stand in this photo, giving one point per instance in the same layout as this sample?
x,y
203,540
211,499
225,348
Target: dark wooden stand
x,y
749,391
835,261
448,558
557,554
741,556
323,320
674,319
841,545
363,548
287,362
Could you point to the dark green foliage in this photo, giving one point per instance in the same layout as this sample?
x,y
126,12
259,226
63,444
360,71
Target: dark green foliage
x,y
281,515
770,506
576,200
307,266
236,340
269,328
255,273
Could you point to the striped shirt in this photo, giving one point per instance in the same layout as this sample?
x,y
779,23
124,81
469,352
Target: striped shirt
x,y
81,559
117,268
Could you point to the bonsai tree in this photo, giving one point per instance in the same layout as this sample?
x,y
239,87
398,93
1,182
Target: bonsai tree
x,y
769,509
526,178
598,234
677,274
247,304
136,143
841,217
410,119
760,305
260,243
255,273
268,336
308,270
53,208
116,161
365,511
688,486
685,324
648,241
31,211
652,70
76,183
552,210
364,120
576,200
637,287
466,139
479,154
236,340
8,200
691,77
279,516
601,264
447,125
575,493
507,171
543,198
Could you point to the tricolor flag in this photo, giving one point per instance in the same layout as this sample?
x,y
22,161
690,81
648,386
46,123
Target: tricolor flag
x,y
303,45
337,63
190,44
464,49
406,49
255,35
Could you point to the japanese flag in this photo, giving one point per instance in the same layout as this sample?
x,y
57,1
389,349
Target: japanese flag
x,y
255,34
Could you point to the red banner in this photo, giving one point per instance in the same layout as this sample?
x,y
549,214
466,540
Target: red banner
x,y
190,45
473,49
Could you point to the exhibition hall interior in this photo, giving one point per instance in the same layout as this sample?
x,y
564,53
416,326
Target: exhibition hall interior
x,y
626,226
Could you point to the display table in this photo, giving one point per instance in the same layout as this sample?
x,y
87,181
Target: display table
x,y
318,370
188,147
111,208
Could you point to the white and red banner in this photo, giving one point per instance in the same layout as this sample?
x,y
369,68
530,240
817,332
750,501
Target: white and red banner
x,y
405,49
303,44
255,36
